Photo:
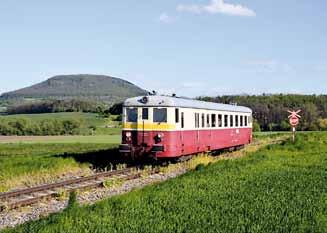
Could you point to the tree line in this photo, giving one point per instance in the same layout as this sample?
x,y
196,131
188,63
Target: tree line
x,y
51,106
270,111
27,127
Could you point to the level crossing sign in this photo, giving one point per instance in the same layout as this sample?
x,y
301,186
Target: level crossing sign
x,y
294,119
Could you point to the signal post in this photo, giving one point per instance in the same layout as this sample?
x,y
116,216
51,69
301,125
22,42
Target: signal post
x,y
294,119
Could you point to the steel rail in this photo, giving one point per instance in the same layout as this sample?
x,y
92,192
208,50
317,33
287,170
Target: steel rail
x,y
10,200
62,183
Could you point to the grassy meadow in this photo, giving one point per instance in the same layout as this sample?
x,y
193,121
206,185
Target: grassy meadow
x,y
30,160
26,164
79,139
280,188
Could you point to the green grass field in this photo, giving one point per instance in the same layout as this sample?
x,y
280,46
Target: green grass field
x,y
281,188
102,139
24,164
30,160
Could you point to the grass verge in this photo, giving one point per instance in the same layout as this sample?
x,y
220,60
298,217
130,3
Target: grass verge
x,y
24,165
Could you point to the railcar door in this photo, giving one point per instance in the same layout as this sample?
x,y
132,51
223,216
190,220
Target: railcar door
x,y
182,132
132,119
144,120
197,131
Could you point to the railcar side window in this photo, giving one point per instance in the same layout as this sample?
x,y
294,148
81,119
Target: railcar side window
x,y
231,119
131,114
176,115
202,119
145,113
241,121
213,120
208,120
220,120
236,120
197,120
245,120
226,120
182,120
160,115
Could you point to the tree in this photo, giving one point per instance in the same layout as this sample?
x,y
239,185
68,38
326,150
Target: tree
x,y
71,125
6,129
322,124
256,126
309,117
270,111
284,126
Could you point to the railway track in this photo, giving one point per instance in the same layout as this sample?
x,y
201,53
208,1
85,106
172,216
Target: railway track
x,y
28,196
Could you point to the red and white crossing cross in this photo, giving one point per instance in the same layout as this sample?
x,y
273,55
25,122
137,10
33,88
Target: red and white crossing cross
x,y
294,117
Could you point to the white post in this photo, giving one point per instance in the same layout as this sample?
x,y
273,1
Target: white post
x,y
293,134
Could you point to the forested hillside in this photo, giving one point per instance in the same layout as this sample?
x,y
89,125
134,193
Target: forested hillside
x,y
51,106
270,111
84,86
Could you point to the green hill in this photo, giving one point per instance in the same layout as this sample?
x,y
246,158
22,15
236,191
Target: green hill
x,y
85,86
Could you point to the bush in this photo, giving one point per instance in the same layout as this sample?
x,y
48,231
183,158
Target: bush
x,y
25,127
6,129
322,124
116,109
285,126
256,126
70,126
118,118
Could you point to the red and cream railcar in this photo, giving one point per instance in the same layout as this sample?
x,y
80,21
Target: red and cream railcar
x,y
170,127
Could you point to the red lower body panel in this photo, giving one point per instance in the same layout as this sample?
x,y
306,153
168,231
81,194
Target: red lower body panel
x,y
178,143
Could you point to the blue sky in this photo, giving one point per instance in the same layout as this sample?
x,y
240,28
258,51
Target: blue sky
x,y
190,47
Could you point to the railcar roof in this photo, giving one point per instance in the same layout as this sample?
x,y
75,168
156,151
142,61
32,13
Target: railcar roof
x,y
167,101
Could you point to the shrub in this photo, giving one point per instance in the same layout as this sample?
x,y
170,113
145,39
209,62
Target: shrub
x,y
322,124
256,126
25,127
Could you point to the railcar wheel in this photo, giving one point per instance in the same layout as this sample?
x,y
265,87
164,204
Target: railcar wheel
x,y
240,147
183,158
231,149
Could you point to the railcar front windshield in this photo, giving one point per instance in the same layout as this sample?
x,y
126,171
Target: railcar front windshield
x,y
131,114
160,115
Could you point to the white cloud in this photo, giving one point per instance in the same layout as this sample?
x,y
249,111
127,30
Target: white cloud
x,y
218,7
165,18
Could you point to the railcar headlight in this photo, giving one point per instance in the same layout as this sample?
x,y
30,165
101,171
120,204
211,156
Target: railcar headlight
x,y
158,137
128,136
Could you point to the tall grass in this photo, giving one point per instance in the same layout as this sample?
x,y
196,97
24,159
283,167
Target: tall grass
x,y
30,164
281,188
